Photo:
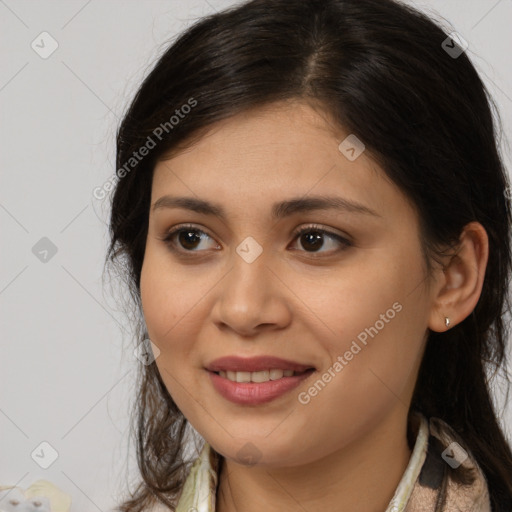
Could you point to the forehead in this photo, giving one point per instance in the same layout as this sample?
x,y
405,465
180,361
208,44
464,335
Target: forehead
x,y
274,132
265,154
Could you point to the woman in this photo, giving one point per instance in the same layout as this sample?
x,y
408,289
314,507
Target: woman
x,y
313,220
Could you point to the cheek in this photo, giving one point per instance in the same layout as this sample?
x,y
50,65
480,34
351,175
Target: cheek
x,y
174,307
372,364
345,304
167,304
156,299
374,319
167,297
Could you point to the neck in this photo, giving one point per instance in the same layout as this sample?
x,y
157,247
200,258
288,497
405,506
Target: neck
x,y
360,476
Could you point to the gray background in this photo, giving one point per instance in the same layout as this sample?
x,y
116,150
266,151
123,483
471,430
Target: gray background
x,y
65,377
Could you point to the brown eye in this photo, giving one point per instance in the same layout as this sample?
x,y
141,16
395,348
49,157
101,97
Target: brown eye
x,y
312,239
186,239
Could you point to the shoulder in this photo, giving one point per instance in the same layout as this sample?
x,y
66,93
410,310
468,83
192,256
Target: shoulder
x,y
450,474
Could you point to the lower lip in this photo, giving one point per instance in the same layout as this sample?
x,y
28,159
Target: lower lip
x,y
254,393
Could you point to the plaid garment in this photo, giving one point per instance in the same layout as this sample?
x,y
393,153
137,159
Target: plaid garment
x,y
430,482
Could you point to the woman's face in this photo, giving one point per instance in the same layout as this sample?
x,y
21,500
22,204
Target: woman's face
x,y
243,284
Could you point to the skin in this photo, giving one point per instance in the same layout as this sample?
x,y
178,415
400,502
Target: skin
x,y
346,449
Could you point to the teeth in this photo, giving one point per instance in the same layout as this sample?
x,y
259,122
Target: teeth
x,y
276,374
262,376
243,376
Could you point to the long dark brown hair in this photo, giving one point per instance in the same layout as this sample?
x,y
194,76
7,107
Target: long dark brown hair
x,y
379,68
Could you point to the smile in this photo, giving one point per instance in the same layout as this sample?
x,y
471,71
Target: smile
x,y
261,376
245,391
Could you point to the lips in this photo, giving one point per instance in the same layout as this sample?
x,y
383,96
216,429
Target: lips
x,y
256,393
256,380
255,364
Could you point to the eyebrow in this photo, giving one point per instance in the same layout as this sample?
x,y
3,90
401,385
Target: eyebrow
x,y
279,210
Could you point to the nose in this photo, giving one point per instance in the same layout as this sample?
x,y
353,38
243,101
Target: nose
x,y
251,298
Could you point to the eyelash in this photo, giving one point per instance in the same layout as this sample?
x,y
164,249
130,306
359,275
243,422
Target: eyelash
x,y
296,234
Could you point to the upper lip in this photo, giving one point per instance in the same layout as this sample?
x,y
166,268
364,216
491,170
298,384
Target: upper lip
x,y
255,364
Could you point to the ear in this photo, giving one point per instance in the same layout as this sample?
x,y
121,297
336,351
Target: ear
x,y
460,284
